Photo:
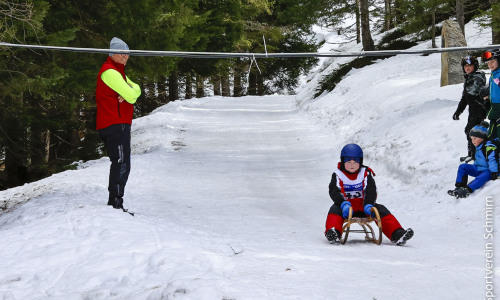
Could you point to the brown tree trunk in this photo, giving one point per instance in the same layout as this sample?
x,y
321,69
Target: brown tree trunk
x,y
15,165
216,81
387,15
226,91
495,20
358,23
397,14
460,15
261,89
162,89
366,36
433,27
189,86
200,86
238,84
39,152
252,83
173,86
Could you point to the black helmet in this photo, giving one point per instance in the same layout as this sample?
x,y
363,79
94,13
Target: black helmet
x,y
489,55
470,60
351,151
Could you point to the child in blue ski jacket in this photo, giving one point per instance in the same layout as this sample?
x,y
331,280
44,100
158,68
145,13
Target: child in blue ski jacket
x,y
492,59
485,165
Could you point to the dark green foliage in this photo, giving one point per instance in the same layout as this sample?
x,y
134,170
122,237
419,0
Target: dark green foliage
x,y
47,98
330,82
391,36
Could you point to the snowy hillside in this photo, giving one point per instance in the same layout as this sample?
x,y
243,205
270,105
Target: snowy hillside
x,y
231,197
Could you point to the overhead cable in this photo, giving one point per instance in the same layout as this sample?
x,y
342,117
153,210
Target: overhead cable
x,y
250,55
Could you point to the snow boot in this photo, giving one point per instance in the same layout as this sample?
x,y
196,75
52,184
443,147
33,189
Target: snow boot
x,y
463,192
401,236
460,192
333,236
117,202
452,192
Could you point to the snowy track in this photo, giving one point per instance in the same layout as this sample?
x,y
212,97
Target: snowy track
x,y
231,197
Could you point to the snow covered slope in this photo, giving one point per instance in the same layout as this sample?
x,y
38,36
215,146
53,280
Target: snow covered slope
x,y
231,196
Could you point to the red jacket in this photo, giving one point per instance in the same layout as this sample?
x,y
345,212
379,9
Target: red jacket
x,y
109,110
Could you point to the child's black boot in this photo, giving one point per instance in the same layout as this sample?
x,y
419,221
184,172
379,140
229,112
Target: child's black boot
x,y
463,192
401,236
333,236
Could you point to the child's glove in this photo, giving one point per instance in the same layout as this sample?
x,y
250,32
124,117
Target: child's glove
x,y
368,210
456,116
494,176
345,209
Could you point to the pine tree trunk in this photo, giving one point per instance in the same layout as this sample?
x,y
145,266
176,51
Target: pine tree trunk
x,y
15,167
252,83
238,84
216,81
433,27
460,15
261,90
162,90
495,20
397,15
238,88
358,23
39,152
40,144
226,91
173,86
387,15
200,86
189,86
366,36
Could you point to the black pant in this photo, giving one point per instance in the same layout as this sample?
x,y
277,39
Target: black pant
x,y
117,141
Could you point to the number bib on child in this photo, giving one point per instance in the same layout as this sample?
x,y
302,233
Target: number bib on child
x,y
353,190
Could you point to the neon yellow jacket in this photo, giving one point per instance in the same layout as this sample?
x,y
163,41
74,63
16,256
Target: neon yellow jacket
x,y
129,90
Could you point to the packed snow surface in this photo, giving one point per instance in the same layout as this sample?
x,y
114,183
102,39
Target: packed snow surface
x,y
231,198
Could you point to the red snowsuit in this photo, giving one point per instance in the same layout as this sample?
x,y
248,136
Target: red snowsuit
x,y
359,189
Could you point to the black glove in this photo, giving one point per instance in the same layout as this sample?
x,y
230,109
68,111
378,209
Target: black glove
x,y
494,176
456,116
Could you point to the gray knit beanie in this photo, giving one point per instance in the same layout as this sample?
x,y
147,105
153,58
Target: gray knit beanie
x,y
117,44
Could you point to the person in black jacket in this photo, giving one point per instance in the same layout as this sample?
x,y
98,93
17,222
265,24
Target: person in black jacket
x,y
471,96
353,186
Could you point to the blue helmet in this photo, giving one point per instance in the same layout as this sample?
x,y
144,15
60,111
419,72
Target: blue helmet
x,y
350,152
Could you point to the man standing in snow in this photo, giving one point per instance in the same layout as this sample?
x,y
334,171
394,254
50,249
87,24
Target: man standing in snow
x,y
115,96
494,92
473,85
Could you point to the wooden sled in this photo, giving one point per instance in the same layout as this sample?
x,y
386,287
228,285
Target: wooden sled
x,y
366,227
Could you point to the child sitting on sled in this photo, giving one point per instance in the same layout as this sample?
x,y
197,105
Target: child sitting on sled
x,y
352,185
485,165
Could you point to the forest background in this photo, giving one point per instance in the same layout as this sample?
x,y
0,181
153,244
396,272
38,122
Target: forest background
x,y
47,98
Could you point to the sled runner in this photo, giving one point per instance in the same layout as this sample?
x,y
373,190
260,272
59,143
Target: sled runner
x,y
366,227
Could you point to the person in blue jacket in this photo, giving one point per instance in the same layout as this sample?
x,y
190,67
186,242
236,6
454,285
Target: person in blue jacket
x,y
485,165
491,58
